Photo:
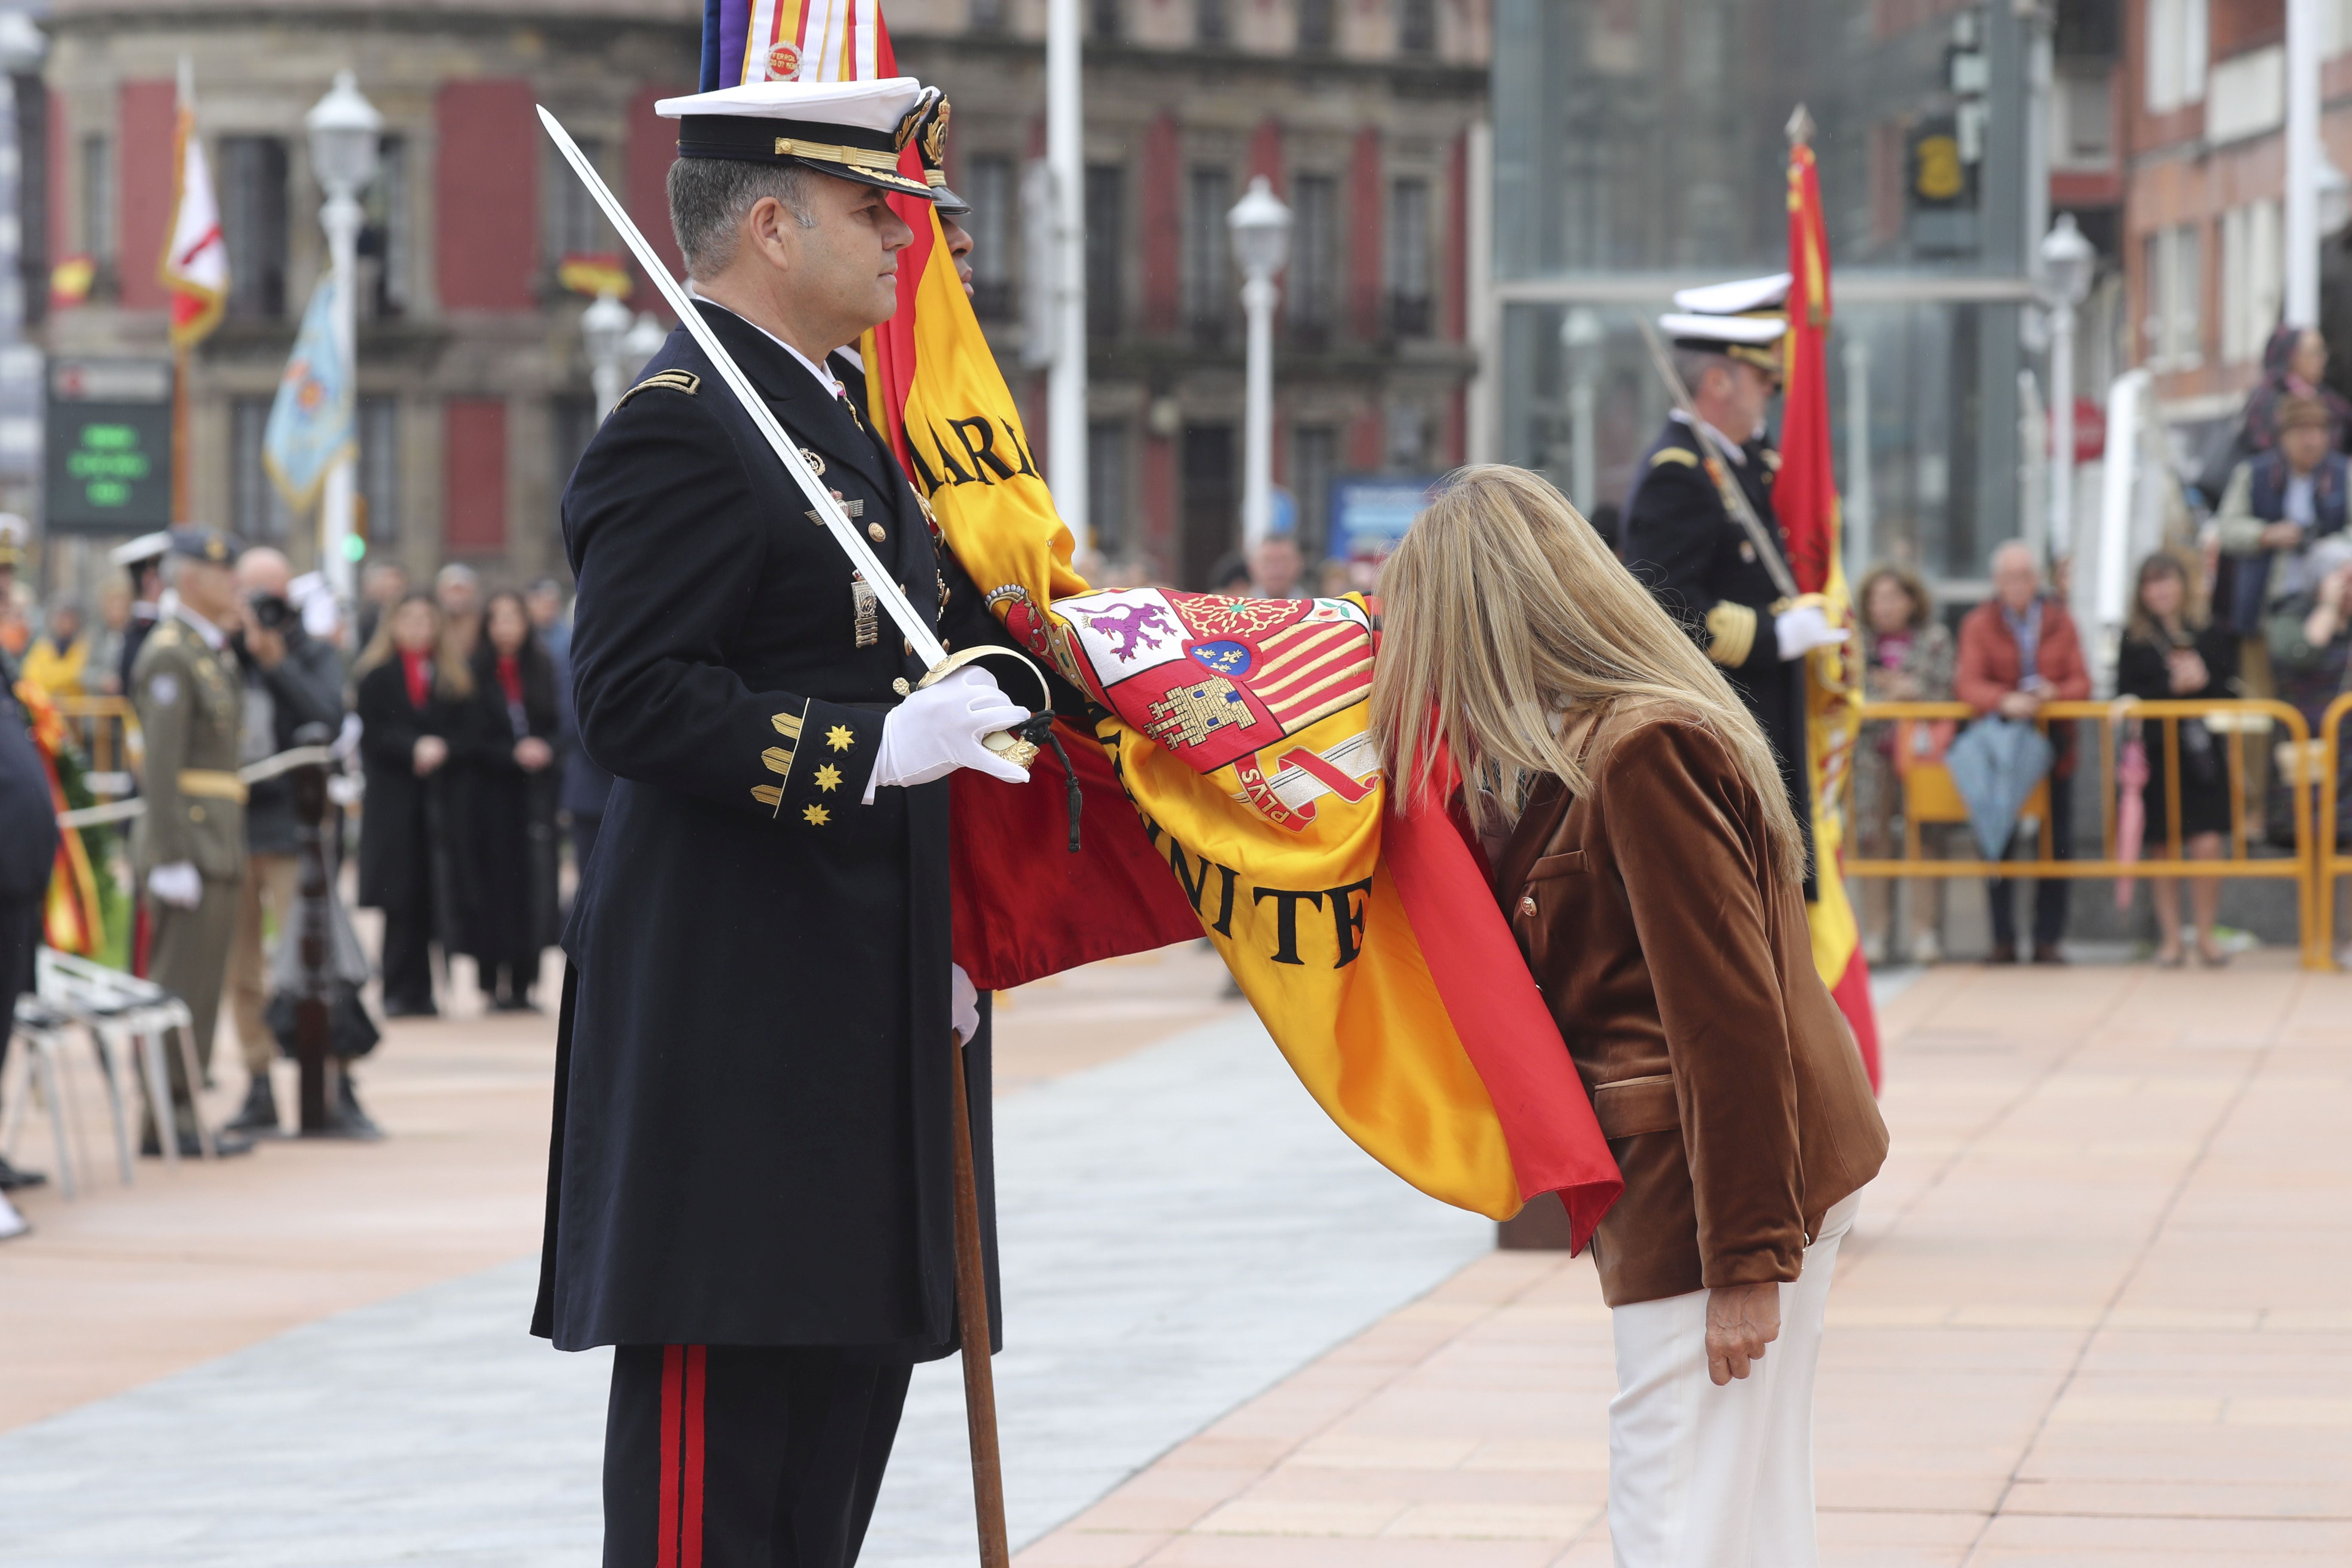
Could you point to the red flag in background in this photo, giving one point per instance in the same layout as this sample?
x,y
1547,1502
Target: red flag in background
x,y
1805,498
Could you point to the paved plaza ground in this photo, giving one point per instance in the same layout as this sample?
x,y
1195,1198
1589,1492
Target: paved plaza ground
x,y
2094,1312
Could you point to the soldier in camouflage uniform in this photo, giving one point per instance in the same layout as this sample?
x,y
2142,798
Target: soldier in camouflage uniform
x,y
188,849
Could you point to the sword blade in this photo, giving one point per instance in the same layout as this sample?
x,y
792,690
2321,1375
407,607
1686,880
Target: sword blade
x,y
828,510
1735,500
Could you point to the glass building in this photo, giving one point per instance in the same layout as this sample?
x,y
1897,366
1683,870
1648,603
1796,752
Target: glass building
x,y
1640,147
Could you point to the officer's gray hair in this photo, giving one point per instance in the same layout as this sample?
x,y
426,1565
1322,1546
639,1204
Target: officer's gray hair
x,y
710,197
1692,365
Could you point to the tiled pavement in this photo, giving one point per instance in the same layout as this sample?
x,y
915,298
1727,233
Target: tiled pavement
x,y
2094,1312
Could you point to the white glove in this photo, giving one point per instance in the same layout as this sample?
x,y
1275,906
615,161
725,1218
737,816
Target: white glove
x,y
176,884
963,1003
1803,630
938,730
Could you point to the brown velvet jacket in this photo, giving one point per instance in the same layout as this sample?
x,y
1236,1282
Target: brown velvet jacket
x,y
1679,968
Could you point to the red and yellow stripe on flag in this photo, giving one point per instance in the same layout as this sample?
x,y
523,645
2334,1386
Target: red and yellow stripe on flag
x,y
1254,811
1805,498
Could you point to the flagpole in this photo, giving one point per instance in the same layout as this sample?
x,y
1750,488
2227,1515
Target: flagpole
x,y
183,124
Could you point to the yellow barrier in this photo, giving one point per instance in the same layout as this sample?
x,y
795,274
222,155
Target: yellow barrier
x,y
1928,790
108,728
2333,862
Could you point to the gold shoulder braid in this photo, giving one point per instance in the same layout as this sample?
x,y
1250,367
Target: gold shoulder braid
x,y
684,381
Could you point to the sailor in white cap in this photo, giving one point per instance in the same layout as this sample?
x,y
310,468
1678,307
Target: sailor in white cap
x,y
1682,540
751,1187
142,558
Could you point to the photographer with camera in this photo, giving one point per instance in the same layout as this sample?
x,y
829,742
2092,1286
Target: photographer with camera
x,y
291,679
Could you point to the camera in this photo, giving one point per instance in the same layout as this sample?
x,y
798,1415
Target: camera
x,y
270,612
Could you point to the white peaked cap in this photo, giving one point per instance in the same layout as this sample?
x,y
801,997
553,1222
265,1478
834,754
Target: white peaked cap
x,y
1757,330
859,105
1731,299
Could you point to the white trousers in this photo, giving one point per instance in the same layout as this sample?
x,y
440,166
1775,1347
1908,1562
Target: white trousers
x,y
1701,1477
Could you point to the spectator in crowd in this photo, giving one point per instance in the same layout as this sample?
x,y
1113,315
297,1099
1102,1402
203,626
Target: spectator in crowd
x,y
15,624
1275,568
459,594
1231,575
58,661
506,859
383,584
2278,503
292,681
2295,367
2019,650
2311,646
142,560
1906,657
28,851
548,622
2172,652
102,673
414,696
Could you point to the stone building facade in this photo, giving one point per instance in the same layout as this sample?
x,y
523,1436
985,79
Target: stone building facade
x,y
475,395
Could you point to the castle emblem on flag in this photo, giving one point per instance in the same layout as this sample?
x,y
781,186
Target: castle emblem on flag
x,y
1189,715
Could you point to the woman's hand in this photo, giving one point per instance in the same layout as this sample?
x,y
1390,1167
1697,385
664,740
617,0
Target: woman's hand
x,y
431,752
1741,1320
1902,685
2189,673
531,753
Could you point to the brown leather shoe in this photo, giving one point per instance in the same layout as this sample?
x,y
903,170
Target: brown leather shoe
x,y
2047,952
2002,953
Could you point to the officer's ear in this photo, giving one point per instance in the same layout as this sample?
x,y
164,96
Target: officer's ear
x,y
773,229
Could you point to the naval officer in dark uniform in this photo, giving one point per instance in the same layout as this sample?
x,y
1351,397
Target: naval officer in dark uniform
x,y
1683,541
750,1187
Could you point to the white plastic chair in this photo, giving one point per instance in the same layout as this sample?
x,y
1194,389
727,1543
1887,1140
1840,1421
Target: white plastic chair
x,y
39,1032
135,1017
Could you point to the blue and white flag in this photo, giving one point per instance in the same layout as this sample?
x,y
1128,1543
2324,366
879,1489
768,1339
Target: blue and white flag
x,y
310,423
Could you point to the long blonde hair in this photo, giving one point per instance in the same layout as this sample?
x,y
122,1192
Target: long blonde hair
x,y
1502,611
451,677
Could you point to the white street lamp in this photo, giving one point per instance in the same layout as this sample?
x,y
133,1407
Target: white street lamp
x,y
604,327
1261,230
2067,263
644,342
343,127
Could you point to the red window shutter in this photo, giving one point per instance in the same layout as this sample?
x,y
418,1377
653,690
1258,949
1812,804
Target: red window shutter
x,y
474,511
142,176
486,195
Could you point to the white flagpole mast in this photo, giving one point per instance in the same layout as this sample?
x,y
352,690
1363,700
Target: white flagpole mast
x,y
1066,165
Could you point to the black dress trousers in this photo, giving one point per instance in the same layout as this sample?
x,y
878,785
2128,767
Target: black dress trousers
x,y
746,1457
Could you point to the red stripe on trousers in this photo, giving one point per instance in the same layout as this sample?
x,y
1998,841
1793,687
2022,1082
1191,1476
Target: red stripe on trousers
x,y
672,1408
690,1554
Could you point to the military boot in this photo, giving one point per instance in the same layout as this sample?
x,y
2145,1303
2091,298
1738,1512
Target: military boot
x,y
258,1115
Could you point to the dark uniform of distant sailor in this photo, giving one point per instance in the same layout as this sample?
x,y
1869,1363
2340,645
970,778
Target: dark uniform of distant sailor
x,y
1685,544
750,1189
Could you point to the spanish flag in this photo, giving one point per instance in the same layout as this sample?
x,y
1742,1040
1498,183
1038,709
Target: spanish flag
x,y
1232,788
1805,498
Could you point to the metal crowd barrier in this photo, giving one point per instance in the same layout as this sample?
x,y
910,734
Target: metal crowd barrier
x,y
2333,862
108,728
1929,797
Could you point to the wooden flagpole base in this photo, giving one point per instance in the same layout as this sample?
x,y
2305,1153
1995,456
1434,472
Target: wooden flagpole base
x,y
972,1322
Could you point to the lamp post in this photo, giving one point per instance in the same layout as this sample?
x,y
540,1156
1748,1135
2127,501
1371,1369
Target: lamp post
x,y
2067,260
604,326
343,128
1261,229
645,341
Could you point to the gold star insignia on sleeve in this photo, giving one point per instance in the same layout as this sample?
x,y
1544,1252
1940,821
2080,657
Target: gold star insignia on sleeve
x,y
828,777
839,738
816,815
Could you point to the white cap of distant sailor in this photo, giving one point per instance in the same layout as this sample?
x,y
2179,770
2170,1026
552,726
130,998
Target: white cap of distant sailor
x,y
1741,320
850,130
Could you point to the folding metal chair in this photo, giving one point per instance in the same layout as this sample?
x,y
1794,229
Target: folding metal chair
x,y
39,1031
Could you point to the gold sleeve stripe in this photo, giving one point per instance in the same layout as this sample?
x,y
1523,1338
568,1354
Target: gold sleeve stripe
x,y
1673,455
1730,634
778,759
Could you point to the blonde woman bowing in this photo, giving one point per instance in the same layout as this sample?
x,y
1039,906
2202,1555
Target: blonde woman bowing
x,y
1643,851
